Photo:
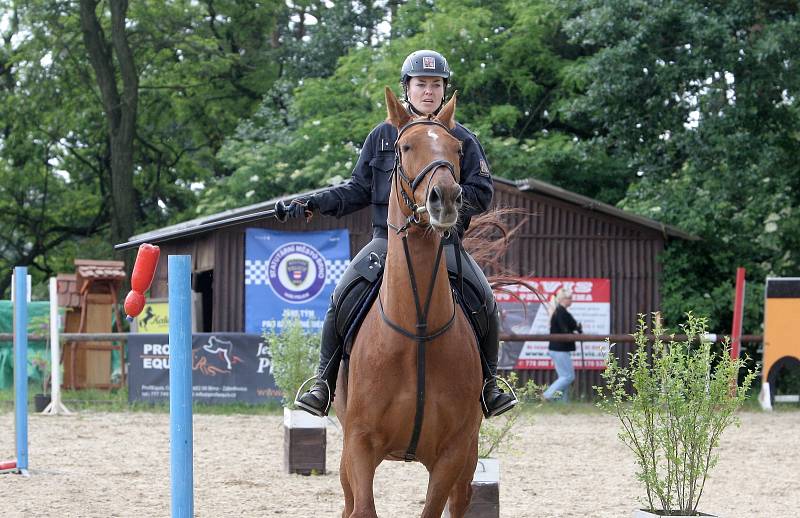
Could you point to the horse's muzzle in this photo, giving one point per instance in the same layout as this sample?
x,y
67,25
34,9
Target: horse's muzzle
x,y
443,204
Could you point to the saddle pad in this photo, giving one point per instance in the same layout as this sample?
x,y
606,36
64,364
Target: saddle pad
x,y
359,296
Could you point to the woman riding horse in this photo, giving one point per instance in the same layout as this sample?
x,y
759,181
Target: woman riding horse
x,y
424,77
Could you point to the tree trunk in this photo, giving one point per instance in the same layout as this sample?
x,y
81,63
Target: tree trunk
x,y
120,108
393,5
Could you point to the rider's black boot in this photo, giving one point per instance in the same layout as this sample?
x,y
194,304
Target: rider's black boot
x,y
317,400
493,400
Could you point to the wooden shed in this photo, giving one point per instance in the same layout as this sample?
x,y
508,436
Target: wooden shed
x,y
90,297
566,235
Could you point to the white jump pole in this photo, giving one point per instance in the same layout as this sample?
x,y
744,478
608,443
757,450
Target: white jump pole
x,y
55,406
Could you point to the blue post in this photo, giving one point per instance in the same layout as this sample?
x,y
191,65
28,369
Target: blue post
x,y
21,365
180,385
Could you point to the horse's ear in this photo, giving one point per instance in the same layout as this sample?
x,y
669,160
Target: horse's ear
x,y
398,116
447,115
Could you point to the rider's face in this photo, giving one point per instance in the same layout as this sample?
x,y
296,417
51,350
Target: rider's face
x,y
426,93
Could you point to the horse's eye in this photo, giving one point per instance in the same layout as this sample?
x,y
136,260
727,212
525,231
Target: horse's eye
x,y
406,147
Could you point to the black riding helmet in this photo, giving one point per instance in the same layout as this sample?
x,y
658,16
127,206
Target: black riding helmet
x,y
423,63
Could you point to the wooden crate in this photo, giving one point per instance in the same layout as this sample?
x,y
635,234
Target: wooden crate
x,y
304,443
485,502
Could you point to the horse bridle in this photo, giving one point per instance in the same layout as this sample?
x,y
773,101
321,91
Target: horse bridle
x,y
422,311
421,336
410,201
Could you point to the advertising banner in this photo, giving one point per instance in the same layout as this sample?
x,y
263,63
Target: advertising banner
x,y
154,318
591,307
291,274
226,367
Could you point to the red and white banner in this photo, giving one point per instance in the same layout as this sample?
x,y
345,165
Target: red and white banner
x,y
591,307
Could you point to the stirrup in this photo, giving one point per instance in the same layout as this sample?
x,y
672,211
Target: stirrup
x,y
497,411
311,409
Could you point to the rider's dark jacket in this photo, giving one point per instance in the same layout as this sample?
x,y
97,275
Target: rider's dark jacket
x,y
370,182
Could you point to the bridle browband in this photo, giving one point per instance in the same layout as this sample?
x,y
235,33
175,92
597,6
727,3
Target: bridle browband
x,y
420,334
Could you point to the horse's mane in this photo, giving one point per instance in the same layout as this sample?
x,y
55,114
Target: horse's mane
x,y
487,240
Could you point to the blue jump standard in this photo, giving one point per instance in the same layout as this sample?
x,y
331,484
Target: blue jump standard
x,y
180,385
21,366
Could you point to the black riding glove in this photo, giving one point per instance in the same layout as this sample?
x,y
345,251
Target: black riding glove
x,y
297,208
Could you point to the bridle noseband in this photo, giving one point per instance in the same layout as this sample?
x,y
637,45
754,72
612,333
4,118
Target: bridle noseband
x,y
410,201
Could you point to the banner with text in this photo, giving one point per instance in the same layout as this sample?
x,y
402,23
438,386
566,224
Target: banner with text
x,y
226,368
291,274
591,306
154,318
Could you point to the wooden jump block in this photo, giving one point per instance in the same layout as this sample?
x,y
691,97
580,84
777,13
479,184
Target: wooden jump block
x,y
485,501
304,443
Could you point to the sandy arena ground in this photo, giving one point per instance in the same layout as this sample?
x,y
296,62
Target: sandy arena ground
x,y
563,465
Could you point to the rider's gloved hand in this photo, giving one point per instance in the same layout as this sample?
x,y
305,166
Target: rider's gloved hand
x,y
297,208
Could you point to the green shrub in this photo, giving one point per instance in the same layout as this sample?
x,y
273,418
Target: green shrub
x,y
295,355
684,395
498,432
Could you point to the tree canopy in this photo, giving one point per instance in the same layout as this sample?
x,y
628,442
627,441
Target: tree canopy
x,y
122,117
699,98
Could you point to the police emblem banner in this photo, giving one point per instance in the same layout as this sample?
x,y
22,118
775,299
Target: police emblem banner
x,y
291,275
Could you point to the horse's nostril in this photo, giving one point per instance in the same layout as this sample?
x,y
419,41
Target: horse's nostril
x,y
435,195
459,195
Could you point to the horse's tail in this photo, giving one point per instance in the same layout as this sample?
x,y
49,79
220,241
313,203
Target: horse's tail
x,y
487,240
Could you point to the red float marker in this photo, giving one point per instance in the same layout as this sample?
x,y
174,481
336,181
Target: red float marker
x,y
144,269
8,465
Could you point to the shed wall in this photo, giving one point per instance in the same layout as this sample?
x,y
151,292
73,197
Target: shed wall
x,y
560,239
557,239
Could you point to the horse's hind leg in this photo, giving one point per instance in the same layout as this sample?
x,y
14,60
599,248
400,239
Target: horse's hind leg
x,y
449,470
461,494
359,461
348,491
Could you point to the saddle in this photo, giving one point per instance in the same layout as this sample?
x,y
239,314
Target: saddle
x,y
359,295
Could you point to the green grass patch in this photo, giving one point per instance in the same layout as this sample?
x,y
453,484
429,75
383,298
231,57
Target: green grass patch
x,y
116,400
96,400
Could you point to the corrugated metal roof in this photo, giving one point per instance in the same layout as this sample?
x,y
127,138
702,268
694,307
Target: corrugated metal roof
x,y
207,223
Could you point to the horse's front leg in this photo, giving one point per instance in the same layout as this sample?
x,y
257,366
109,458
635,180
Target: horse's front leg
x,y
359,461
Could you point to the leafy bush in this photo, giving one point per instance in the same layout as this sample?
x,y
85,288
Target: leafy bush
x,y
684,396
498,432
295,355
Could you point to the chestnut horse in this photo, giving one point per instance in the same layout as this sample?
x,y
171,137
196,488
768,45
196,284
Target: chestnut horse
x,y
413,385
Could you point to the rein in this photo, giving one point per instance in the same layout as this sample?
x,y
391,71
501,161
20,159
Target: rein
x,y
421,335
